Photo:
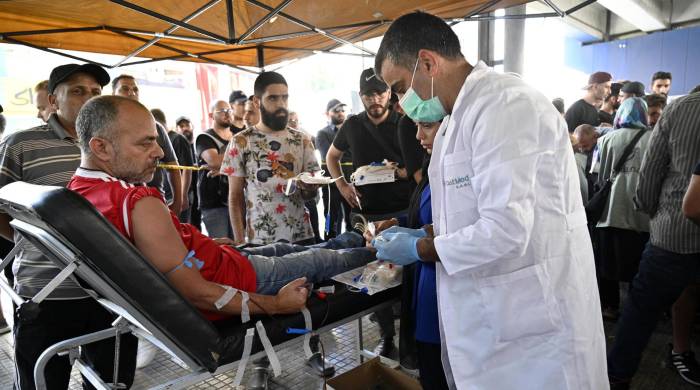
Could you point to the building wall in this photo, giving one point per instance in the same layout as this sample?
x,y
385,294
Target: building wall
x,y
676,51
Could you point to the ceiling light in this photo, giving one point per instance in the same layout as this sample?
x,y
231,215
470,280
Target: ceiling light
x,y
635,13
273,19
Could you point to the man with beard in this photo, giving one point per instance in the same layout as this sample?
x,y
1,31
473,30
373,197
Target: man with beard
x,y
184,127
335,208
261,160
661,83
656,104
584,111
212,188
372,136
610,105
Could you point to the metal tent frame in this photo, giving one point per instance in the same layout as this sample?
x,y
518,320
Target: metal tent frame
x,y
244,42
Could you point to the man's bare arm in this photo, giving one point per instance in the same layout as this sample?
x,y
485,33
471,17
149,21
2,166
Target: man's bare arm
x,y
213,159
186,182
175,180
333,163
236,207
158,240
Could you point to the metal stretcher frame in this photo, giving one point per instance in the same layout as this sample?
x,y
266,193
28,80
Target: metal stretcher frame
x,y
129,319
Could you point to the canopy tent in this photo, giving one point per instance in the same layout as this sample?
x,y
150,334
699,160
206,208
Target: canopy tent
x,y
244,34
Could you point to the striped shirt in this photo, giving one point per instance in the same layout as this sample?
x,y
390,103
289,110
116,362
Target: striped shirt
x,y
674,149
45,155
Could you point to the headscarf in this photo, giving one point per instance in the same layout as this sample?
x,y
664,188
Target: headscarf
x,y
632,114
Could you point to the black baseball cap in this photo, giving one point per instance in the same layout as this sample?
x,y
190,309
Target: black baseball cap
x,y
634,87
333,104
182,119
237,96
369,82
61,73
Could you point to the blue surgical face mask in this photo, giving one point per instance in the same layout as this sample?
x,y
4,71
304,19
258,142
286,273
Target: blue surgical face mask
x,y
420,110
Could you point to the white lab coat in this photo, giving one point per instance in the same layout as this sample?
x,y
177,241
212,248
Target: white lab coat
x,y
517,293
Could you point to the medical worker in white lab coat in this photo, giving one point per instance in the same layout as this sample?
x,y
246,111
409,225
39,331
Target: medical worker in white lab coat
x,y
517,295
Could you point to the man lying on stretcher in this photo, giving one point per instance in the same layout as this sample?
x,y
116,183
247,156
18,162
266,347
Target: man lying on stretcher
x,y
119,152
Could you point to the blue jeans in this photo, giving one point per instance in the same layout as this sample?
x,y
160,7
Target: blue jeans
x,y
661,279
279,263
217,222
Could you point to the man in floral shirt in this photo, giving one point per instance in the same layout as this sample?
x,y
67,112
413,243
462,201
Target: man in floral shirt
x,y
259,161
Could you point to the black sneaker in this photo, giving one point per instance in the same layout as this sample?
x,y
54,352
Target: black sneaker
x,y
685,364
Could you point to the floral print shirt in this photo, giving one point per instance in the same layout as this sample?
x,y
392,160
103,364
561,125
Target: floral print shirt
x,y
266,161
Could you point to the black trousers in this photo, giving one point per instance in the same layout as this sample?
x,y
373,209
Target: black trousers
x,y
61,320
335,209
432,375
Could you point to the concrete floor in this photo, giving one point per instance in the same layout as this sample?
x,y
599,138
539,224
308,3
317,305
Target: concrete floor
x,y
340,346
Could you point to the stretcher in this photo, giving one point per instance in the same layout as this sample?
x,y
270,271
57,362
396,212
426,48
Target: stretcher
x,y
88,249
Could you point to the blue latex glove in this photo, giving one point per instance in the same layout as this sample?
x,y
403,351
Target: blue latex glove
x,y
398,248
398,229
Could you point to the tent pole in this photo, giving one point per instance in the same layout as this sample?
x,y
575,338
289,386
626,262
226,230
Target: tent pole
x,y
229,21
310,27
52,31
261,22
172,29
170,20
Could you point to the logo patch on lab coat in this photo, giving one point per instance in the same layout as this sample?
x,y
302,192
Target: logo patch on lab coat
x,y
458,181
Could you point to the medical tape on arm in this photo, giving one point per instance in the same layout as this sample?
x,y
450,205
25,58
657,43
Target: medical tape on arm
x,y
189,261
271,354
226,297
307,337
245,312
247,347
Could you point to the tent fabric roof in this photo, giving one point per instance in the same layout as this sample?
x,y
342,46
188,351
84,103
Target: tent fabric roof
x,y
300,28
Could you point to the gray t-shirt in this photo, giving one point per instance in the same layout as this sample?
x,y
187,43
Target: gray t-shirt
x,y
45,155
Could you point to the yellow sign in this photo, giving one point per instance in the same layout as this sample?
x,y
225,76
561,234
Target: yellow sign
x,y
17,96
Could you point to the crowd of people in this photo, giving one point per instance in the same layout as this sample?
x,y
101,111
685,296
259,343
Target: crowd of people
x,y
504,221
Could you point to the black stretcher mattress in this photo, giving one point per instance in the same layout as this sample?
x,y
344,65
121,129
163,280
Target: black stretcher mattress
x,y
78,225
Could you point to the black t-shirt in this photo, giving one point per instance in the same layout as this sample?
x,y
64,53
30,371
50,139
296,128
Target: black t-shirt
x,y
604,117
159,180
235,129
183,151
411,150
581,113
697,170
359,136
211,191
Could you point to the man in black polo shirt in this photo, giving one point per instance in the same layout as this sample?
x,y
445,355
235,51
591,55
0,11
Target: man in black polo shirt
x,y
335,208
585,111
212,188
372,136
68,311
